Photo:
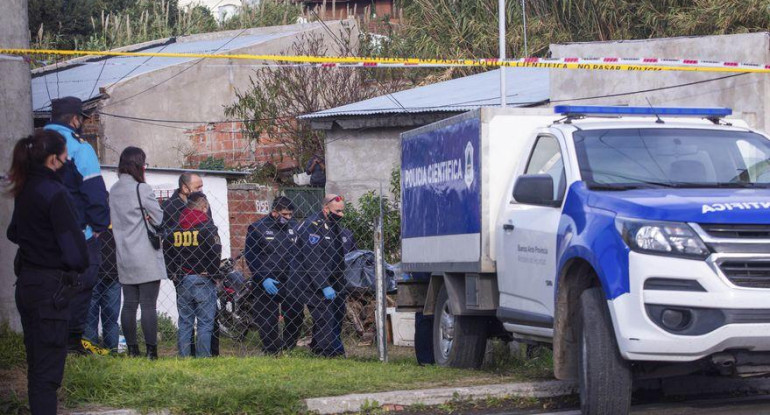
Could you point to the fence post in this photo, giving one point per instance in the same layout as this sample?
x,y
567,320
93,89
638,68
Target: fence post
x,y
379,274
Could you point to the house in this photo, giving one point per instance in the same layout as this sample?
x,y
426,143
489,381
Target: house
x,y
342,9
160,103
220,9
363,143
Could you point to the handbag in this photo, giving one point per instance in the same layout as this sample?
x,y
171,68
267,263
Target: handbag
x,y
155,238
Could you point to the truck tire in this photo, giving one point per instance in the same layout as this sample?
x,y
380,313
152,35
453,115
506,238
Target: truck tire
x,y
458,341
604,376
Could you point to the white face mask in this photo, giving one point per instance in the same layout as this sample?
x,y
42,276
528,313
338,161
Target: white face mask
x,y
282,220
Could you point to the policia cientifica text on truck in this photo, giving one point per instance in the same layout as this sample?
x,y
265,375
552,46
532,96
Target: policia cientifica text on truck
x,y
635,241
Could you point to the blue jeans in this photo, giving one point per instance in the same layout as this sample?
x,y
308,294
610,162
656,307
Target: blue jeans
x,y
197,299
105,302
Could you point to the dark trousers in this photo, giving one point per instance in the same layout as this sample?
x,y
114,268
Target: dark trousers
x,y
267,309
327,326
80,296
45,336
423,339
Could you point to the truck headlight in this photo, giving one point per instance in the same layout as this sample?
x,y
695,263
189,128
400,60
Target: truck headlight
x,y
662,238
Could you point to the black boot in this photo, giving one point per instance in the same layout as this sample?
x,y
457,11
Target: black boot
x,y
133,350
152,352
75,345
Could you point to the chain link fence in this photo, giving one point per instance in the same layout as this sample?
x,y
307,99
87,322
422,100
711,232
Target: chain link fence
x,y
308,282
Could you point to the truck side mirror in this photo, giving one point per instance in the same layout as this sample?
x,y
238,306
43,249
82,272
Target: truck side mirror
x,y
534,189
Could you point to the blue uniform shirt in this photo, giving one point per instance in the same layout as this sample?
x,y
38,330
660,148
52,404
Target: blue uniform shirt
x,y
43,225
320,260
83,178
269,249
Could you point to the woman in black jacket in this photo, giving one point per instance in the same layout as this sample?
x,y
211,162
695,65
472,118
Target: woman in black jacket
x,y
52,251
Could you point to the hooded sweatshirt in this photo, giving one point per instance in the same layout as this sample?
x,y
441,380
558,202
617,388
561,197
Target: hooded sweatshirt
x,y
196,246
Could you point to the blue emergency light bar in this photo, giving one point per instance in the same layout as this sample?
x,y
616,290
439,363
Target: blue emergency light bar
x,y
577,110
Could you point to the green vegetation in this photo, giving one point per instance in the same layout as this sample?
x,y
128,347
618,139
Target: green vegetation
x,y
11,348
454,29
212,163
238,384
361,219
107,24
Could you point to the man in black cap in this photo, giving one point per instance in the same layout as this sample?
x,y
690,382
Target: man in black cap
x,y
83,178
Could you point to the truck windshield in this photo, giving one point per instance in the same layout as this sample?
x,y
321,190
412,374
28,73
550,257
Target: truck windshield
x,y
621,159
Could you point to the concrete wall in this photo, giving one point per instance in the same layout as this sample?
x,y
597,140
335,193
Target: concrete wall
x,y
15,122
747,94
358,161
197,94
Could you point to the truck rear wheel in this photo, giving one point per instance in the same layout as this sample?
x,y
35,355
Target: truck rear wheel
x,y
604,376
458,341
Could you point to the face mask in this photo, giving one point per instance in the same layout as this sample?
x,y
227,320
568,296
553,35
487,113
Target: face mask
x,y
334,217
282,220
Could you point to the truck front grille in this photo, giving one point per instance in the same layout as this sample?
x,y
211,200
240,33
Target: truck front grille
x,y
737,231
746,273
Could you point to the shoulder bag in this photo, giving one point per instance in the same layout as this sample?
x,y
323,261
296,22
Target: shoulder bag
x,y
155,240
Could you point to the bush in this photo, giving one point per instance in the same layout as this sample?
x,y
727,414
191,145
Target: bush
x,y
361,220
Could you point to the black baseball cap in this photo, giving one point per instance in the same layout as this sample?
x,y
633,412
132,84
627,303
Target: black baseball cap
x,y
67,105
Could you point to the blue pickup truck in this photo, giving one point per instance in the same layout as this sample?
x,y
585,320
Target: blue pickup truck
x,y
635,241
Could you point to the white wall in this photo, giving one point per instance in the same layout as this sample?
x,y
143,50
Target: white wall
x,y
215,6
164,183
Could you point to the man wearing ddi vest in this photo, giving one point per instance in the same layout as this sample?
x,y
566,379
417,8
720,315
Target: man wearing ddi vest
x,y
197,251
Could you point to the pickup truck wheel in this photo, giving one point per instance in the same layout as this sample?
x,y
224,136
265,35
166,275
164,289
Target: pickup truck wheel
x,y
458,341
604,376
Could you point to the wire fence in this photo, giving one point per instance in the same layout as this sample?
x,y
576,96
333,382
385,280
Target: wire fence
x,y
304,281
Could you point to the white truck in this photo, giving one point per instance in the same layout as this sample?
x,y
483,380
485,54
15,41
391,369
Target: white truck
x,y
635,241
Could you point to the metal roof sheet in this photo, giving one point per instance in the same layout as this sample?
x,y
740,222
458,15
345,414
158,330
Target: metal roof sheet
x,y
524,86
83,81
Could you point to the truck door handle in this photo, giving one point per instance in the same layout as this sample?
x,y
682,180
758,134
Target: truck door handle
x,y
508,227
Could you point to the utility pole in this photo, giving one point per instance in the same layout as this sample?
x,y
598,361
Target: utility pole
x,y
501,36
524,18
15,123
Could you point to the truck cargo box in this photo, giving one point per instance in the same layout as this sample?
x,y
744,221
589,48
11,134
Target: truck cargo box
x,y
453,173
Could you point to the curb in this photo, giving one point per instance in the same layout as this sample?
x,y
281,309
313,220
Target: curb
x,y
354,402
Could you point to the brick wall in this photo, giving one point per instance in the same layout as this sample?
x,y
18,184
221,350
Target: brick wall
x,y
248,202
228,141
92,132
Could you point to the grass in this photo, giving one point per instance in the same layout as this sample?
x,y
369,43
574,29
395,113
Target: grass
x,y
230,384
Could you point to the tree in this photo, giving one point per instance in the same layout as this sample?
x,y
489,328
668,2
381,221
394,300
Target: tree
x,y
277,95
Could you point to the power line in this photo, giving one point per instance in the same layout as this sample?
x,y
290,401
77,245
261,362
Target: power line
x,y
175,75
653,89
347,52
423,109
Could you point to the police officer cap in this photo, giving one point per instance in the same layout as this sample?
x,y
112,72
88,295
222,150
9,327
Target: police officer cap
x,y
67,105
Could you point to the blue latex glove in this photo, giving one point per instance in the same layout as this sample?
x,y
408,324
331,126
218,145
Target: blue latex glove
x,y
269,285
329,293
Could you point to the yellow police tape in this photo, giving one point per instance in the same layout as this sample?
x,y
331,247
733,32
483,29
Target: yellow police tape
x,y
413,62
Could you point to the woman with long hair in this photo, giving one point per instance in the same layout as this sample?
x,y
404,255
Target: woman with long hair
x,y
136,214
52,251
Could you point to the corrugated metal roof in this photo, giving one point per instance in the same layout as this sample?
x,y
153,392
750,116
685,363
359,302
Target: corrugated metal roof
x,y
524,86
84,81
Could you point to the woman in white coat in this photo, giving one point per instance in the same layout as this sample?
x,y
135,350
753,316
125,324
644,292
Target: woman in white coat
x,y
135,212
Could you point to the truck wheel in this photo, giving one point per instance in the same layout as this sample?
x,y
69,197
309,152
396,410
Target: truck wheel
x,y
604,376
458,341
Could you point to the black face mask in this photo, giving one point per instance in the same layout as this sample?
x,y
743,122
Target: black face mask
x,y
334,218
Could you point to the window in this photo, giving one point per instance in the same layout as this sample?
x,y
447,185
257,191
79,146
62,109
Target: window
x,y
546,159
662,157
